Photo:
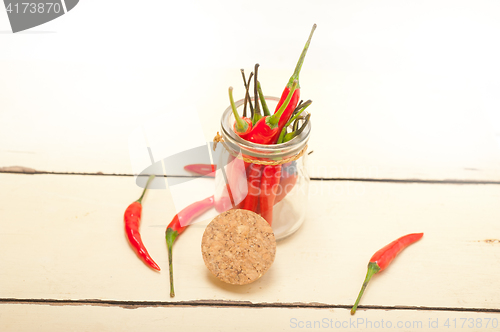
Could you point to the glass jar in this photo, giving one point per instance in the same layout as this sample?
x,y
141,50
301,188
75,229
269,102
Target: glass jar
x,y
244,177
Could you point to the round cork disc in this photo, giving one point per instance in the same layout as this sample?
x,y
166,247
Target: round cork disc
x,y
238,247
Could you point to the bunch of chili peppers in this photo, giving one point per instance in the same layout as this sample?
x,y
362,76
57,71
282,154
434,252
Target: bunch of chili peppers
x,y
263,181
258,128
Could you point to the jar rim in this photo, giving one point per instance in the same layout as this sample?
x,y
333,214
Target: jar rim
x,y
291,147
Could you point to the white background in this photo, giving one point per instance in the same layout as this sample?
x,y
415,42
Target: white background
x,y
401,89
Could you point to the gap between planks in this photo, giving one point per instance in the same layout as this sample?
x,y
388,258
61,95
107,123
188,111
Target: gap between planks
x,y
236,304
223,303
30,171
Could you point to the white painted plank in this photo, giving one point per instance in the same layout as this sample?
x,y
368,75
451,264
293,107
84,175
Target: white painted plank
x,y
13,317
391,100
61,237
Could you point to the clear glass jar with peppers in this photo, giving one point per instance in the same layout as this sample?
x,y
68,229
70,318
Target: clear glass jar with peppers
x,y
279,196
272,159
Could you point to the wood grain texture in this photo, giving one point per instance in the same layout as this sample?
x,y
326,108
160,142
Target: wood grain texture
x,y
390,100
344,146
62,238
401,91
90,318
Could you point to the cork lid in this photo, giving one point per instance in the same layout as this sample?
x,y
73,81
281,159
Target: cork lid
x,y
238,247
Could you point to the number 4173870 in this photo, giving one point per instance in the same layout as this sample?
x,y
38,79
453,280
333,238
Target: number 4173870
x,y
33,8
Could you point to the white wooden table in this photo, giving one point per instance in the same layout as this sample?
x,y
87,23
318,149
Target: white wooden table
x,y
406,138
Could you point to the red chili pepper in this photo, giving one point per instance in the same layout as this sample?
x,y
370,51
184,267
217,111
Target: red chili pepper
x,y
288,89
269,185
263,132
132,220
253,179
266,130
242,126
382,258
285,187
202,169
287,182
179,224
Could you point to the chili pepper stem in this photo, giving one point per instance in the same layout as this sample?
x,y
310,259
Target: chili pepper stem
x,y
298,67
256,111
151,177
283,131
247,95
241,126
263,100
373,268
295,125
274,119
170,236
292,135
246,100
